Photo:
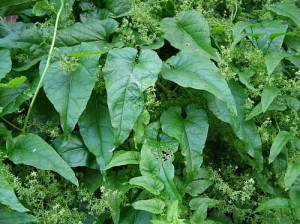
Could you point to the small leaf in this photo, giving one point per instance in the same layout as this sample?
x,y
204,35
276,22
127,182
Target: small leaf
x,y
292,172
34,151
121,158
189,31
152,185
275,105
154,205
280,141
273,204
8,197
140,126
14,82
267,97
148,163
13,217
96,130
127,74
5,65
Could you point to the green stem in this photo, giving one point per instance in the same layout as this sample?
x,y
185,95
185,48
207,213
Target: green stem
x,y
9,123
45,69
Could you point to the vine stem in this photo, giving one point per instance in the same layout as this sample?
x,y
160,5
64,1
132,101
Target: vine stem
x,y
45,69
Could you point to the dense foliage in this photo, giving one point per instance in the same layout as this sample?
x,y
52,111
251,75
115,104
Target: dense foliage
x,y
154,111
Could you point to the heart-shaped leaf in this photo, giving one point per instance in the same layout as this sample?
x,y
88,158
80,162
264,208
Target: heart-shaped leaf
x,y
127,74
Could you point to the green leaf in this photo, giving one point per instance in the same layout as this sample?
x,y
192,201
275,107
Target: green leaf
x,y
41,8
190,69
8,197
121,158
90,31
288,10
34,151
12,98
5,65
69,90
73,150
273,204
166,175
279,142
14,82
118,8
263,31
9,7
267,97
96,130
196,203
273,59
292,172
275,105
148,163
154,205
237,32
292,102
14,217
197,187
153,185
294,194
127,74
189,31
140,126
191,132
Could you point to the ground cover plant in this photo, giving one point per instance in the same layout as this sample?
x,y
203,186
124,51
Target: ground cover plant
x,y
154,111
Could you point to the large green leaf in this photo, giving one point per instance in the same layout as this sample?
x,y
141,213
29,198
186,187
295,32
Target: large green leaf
x,y
190,69
96,130
274,203
288,10
118,8
153,185
9,7
70,90
91,31
73,150
34,151
267,97
5,64
191,132
260,35
292,172
14,217
279,142
189,31
154,205
127,74
8,197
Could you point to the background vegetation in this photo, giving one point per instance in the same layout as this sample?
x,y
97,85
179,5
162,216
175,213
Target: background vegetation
x,y
155,111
